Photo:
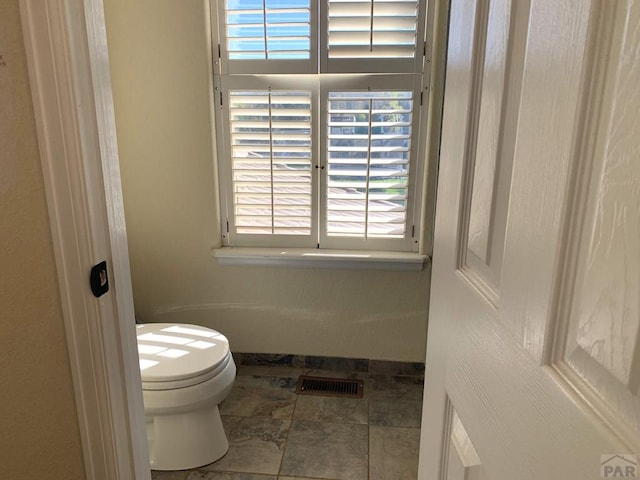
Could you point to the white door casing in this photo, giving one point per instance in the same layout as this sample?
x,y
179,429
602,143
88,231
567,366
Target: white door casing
x,y
532,355
65,42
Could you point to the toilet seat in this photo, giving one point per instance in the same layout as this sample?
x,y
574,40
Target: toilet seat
x,y
187,382
178,356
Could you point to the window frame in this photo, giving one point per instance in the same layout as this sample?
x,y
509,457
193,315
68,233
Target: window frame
x,y
298,75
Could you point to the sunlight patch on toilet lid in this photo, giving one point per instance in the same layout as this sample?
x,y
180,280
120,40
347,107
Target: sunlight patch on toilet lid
x,y
170,352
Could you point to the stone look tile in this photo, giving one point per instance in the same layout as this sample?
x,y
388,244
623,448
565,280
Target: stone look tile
x,y
326,450
203,475
260,397
332,409
394,453
256,445
302,478
273,359
329,438
383,367
270,371
395,401
337,364
394,387
164,475
318,372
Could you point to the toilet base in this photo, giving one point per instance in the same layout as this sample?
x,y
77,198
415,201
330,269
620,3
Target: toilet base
x,y
186,440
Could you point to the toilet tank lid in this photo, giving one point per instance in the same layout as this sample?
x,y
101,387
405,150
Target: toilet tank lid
x,y
171,351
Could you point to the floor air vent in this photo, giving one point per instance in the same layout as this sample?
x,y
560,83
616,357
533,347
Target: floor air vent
x,y
332,387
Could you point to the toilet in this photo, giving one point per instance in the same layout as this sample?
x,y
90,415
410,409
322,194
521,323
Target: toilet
x,y
186,371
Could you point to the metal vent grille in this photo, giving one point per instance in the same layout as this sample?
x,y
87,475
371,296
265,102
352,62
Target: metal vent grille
x,y
331,387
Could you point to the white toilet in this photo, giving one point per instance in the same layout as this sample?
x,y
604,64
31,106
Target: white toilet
x,y
186,370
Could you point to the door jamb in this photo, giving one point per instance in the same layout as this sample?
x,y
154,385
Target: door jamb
x,y
69,74
66,47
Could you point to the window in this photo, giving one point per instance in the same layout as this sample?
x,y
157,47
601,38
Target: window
x,y
318,122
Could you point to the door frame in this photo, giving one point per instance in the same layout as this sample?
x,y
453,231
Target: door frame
x,y
66,48
67,58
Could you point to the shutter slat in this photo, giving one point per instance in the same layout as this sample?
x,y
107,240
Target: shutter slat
x,y
395,9
394,38
247,96
238,125
357,24
377,51
274,148
245,163
342,136
250,198
301,206
361,208
372,173
298,137
269,176
373,161
372,196
264,112
356,39
267,185
258,218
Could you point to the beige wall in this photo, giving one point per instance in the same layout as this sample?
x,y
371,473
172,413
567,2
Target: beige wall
x,y
159,63
39,436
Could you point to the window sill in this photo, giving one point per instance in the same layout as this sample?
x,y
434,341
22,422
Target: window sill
x,y
304,257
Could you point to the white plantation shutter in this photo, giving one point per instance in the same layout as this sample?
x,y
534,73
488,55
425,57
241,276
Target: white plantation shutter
x,y
372,28
269,36
270,134
372,36
368,158
317,124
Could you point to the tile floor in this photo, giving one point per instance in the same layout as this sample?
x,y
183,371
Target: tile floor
x,y
275,434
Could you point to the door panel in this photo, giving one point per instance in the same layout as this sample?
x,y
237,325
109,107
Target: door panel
x,y
485,234
532,355
598,349
548,110
461,459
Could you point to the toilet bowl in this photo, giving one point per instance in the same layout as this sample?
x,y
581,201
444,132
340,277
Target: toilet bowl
x,y
186,371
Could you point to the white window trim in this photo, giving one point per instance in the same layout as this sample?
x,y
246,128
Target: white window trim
x,y
318,236
321,258
234,70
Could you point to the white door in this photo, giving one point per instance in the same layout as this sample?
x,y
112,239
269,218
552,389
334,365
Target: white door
x,y
533,362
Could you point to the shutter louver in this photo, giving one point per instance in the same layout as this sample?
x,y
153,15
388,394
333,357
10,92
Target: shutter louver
x,y
369,141
271,161
268,29
372,28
